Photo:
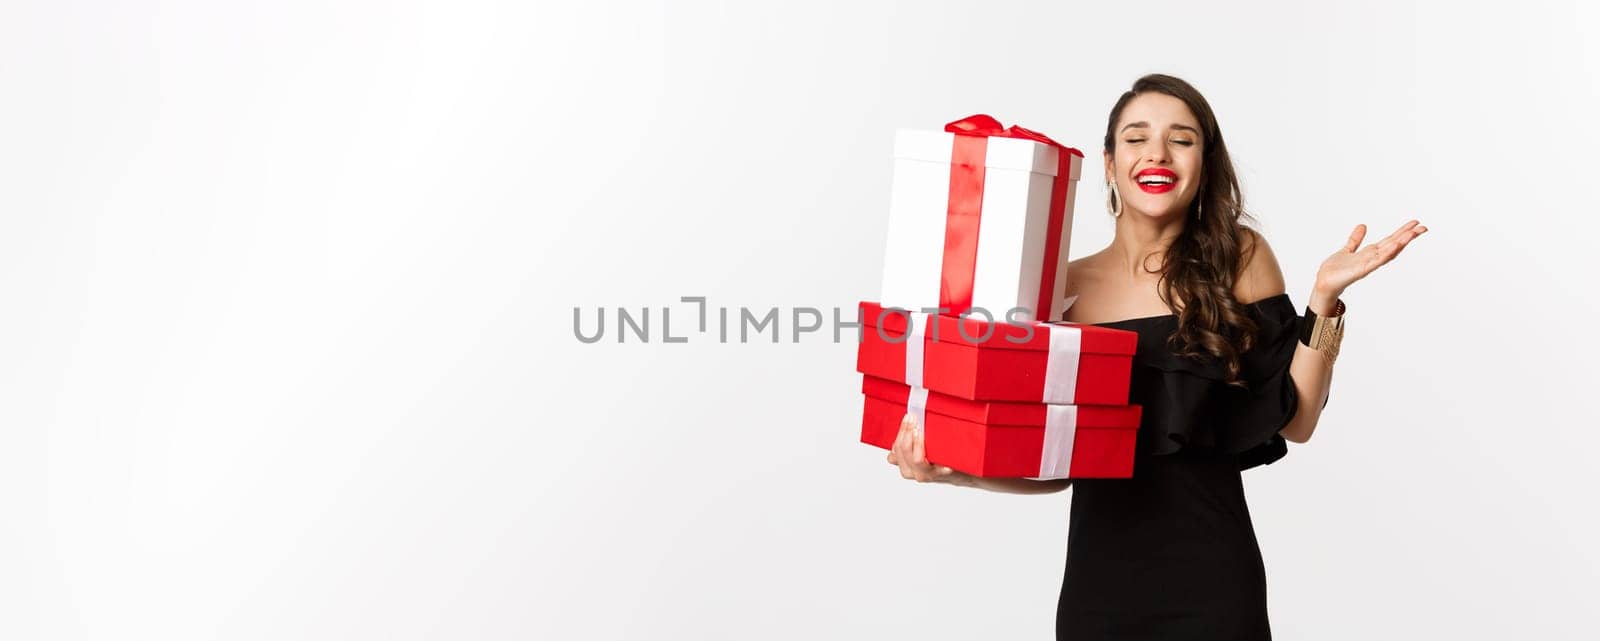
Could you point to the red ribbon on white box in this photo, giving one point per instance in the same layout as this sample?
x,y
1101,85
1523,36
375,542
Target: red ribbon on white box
x,y
1060,390
964,211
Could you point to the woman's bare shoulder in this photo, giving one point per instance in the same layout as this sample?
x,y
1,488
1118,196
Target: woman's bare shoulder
x,y
1261,276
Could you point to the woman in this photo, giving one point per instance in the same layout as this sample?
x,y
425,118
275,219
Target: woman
x,y
1225,371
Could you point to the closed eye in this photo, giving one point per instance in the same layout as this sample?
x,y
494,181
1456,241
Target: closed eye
x,y
1186,143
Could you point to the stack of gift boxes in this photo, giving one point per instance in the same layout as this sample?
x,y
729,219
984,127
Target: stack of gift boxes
x,y
980,220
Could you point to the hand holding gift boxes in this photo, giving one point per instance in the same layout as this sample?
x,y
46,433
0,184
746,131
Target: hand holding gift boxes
x,y
979,226
1034,400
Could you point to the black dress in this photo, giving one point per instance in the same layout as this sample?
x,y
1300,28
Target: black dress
x,y
1171,552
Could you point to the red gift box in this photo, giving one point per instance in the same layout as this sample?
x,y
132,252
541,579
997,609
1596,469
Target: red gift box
x,y
991,439
975,359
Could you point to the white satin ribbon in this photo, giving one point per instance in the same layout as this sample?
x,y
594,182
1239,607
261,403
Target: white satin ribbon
x,y
917,405
1060,430
914,345
917,400
1061,364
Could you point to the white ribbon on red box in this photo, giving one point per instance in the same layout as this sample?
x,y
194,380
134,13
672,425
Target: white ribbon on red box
x,y
1060,390
917,401
1061,364
1060,430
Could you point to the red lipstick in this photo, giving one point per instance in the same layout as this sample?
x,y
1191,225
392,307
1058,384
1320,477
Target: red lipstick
x,y
1151,180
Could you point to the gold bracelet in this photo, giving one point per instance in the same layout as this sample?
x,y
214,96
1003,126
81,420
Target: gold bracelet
x,y
1326,334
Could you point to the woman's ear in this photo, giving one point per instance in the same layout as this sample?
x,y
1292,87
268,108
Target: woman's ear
x,y
1109,165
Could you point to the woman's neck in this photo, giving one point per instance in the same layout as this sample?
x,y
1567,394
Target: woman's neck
x,y
1139,238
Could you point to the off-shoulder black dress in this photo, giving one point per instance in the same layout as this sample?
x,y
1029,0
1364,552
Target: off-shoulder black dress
x,y
1171,552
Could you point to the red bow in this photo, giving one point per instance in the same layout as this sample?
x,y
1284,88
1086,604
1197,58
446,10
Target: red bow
x,y
986,125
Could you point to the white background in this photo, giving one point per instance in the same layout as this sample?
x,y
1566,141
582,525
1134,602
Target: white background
x,y
287,292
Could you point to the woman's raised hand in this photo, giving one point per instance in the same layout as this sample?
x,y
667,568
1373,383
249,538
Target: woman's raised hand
x,y
1349,265
908,456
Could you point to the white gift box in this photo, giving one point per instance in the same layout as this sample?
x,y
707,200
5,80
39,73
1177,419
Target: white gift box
x,y
980,220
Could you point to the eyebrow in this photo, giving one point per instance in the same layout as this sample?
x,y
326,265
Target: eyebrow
x,y
1143,124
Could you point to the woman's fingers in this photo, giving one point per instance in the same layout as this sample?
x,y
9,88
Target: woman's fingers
x,y
1354,242
912,452
896,452
919,461
1403,229
1391,246
909,455
1351,264
1410,235
902,449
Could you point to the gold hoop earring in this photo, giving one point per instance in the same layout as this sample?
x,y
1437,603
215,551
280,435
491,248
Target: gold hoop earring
x,y
1113,199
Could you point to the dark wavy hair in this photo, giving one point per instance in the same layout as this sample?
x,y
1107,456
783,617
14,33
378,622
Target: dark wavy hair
x,y
1207,258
